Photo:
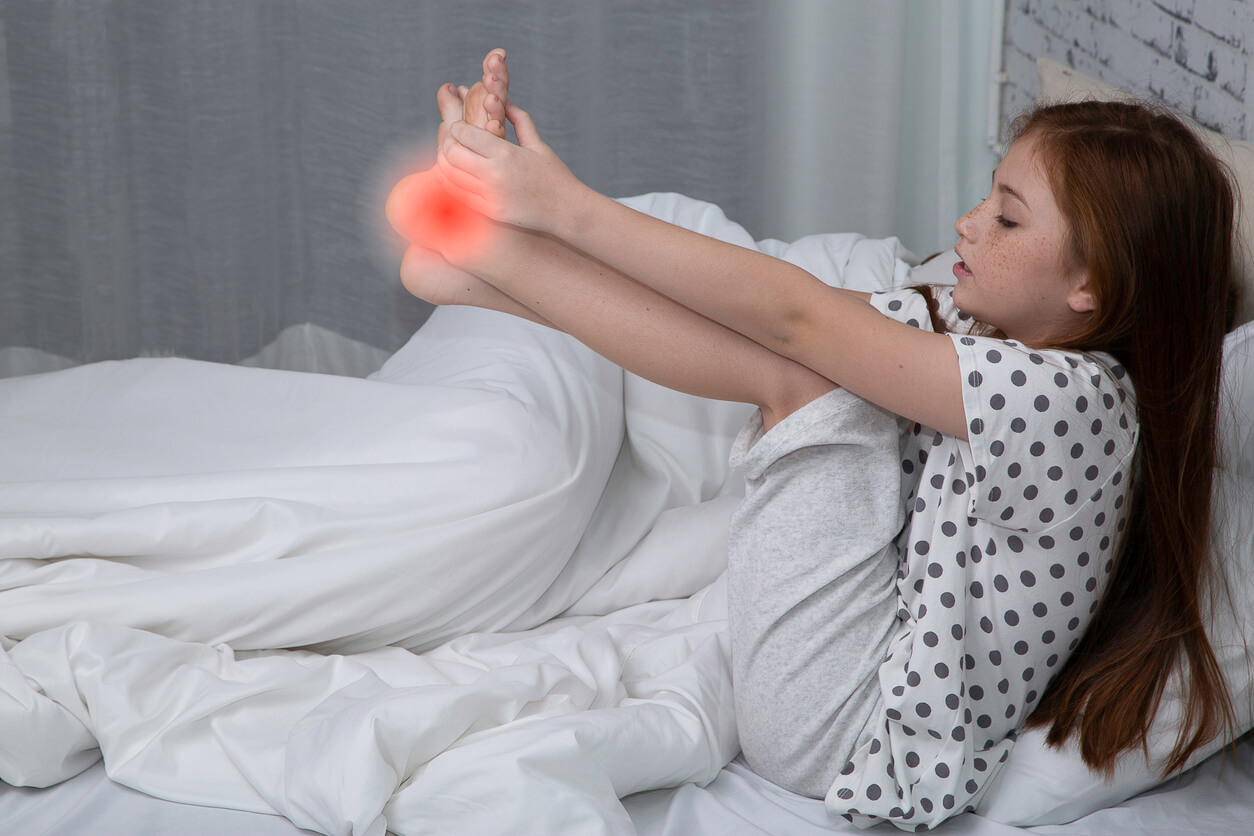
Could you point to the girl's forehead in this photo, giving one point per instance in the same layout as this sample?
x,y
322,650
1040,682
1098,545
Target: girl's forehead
x,y
1022,172
1023,158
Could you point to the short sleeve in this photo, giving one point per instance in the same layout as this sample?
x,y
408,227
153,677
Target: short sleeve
x,y
905,305
1048,430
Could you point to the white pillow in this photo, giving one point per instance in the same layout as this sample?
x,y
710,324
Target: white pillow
x,y
1059,83
1041,785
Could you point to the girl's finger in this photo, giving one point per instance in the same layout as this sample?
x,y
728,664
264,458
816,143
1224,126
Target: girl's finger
x,y
523,126
452,171
476,139
461,157
476,202
466,192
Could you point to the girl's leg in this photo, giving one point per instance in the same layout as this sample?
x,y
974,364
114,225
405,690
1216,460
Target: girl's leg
x,y
811,586
428,276
636,327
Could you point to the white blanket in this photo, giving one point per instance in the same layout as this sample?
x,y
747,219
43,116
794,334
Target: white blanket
x,y
240,585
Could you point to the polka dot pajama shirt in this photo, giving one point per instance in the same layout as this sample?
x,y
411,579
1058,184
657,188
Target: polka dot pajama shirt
x,y
1007,542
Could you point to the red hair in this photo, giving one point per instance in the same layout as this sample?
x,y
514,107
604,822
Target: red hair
x,y
1150,213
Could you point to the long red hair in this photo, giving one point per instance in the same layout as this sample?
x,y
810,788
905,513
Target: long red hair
x,y
1150,214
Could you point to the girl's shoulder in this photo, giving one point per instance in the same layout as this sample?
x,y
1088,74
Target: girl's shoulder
x,y
927,307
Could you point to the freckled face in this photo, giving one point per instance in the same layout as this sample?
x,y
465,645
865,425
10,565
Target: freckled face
x,y
1015,274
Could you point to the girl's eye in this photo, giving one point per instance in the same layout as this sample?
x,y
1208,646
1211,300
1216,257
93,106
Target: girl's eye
x,y
1001,219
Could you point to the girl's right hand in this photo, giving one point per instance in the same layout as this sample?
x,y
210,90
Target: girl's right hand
x,y
525,185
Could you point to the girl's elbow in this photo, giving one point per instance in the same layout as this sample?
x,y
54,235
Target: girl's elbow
x,y
787,328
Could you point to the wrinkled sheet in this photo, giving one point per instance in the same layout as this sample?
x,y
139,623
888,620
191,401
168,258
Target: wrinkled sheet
x,y
477,592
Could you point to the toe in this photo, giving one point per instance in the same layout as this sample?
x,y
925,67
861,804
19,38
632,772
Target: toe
x,y
493,60
475,104
449,102
494,108
496,74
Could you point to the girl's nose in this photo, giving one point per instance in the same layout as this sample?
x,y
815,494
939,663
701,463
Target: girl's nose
x,y
965,225
962,225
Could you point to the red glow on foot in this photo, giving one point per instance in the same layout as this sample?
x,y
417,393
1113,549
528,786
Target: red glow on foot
x,y
425,213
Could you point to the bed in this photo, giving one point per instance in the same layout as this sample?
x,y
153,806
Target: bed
x,y
474,590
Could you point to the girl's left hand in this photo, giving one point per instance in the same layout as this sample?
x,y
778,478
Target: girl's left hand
x,y
525,185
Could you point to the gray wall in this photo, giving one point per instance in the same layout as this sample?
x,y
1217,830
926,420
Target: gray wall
x,y
1195,55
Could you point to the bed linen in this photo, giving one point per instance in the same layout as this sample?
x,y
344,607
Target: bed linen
x,y
205,537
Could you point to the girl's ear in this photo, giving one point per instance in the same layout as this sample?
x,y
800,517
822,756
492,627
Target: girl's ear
x,y
1081,298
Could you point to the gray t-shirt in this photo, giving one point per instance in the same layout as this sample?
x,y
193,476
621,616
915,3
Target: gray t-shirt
x,y
1008,545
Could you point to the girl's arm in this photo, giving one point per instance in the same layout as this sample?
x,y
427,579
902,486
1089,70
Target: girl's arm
x,y
542,279
776,304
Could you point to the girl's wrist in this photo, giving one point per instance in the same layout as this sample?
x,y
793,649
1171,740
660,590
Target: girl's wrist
x,y
571,216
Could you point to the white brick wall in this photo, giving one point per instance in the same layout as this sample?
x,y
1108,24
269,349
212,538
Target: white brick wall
x,y
1195,55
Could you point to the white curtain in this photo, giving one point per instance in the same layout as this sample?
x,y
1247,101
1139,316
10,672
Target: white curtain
x,y
878,117
197,178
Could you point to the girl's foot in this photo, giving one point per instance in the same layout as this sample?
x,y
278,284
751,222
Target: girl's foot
x,y
424,272
428,276
484,104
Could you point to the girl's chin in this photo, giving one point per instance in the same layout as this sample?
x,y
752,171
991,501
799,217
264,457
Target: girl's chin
x,y
960,300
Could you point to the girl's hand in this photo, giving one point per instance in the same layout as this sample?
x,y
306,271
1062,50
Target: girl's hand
x,y
525,185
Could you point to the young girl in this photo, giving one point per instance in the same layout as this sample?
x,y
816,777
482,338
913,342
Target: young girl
x,y
1028,543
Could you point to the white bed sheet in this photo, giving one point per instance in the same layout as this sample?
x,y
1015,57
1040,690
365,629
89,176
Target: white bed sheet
x,y
1213,799
652,535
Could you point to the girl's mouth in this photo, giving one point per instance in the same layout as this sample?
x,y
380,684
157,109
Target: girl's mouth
x,y
961,271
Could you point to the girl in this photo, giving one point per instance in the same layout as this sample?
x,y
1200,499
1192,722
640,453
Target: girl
x,y
1027,542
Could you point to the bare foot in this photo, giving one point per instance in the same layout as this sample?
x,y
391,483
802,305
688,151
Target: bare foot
x,y
428,276
425,273
484,104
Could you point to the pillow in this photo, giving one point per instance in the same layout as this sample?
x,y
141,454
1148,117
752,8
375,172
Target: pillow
x,y
1056,82
1042,785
